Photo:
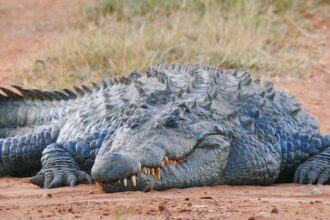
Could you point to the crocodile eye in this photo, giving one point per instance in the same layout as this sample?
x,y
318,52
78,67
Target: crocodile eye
x,y
170,121
134,123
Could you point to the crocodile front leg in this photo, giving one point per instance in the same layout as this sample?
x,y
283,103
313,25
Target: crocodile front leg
x,y
59,169
316,169
69,163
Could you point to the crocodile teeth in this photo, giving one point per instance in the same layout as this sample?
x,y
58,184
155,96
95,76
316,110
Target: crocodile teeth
x,y
173,162
99,185
157,172
148,171
125,182
166,161
153,171
119,181
182,159
163,163
144,170
133,180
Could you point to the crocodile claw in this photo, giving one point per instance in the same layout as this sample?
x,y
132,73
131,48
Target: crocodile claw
x,y
53,178
59,169
313,171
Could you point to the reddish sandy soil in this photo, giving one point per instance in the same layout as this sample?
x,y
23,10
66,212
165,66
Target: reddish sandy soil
x,y
21,200
26,26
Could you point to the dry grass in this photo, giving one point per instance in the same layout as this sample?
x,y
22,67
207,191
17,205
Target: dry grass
x,y
114,37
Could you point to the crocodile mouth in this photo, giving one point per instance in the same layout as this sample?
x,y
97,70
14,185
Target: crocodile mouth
x,y
188,169
146,178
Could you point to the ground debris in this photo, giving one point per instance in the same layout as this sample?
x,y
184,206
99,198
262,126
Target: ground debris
x,y
316,191
47,195
161,207
262,216
275,210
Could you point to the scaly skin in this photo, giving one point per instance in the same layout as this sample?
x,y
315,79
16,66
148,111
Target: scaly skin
x,y
177,126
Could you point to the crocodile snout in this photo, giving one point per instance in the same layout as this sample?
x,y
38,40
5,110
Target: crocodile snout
x,y
117,166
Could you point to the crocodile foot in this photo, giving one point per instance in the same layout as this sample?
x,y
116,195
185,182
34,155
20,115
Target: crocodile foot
x,y
59,169
53,178
316,170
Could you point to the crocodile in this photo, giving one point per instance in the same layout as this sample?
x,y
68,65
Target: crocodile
x,y
174,126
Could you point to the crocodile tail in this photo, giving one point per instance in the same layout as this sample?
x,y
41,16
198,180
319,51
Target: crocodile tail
x,y
23,110
20,156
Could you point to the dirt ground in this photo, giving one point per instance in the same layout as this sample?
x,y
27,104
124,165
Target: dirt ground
x,y
26,26
21,200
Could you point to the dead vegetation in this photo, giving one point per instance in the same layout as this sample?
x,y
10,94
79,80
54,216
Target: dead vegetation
x,y
114,37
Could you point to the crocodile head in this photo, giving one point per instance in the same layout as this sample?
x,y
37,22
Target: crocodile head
x,y
161,147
